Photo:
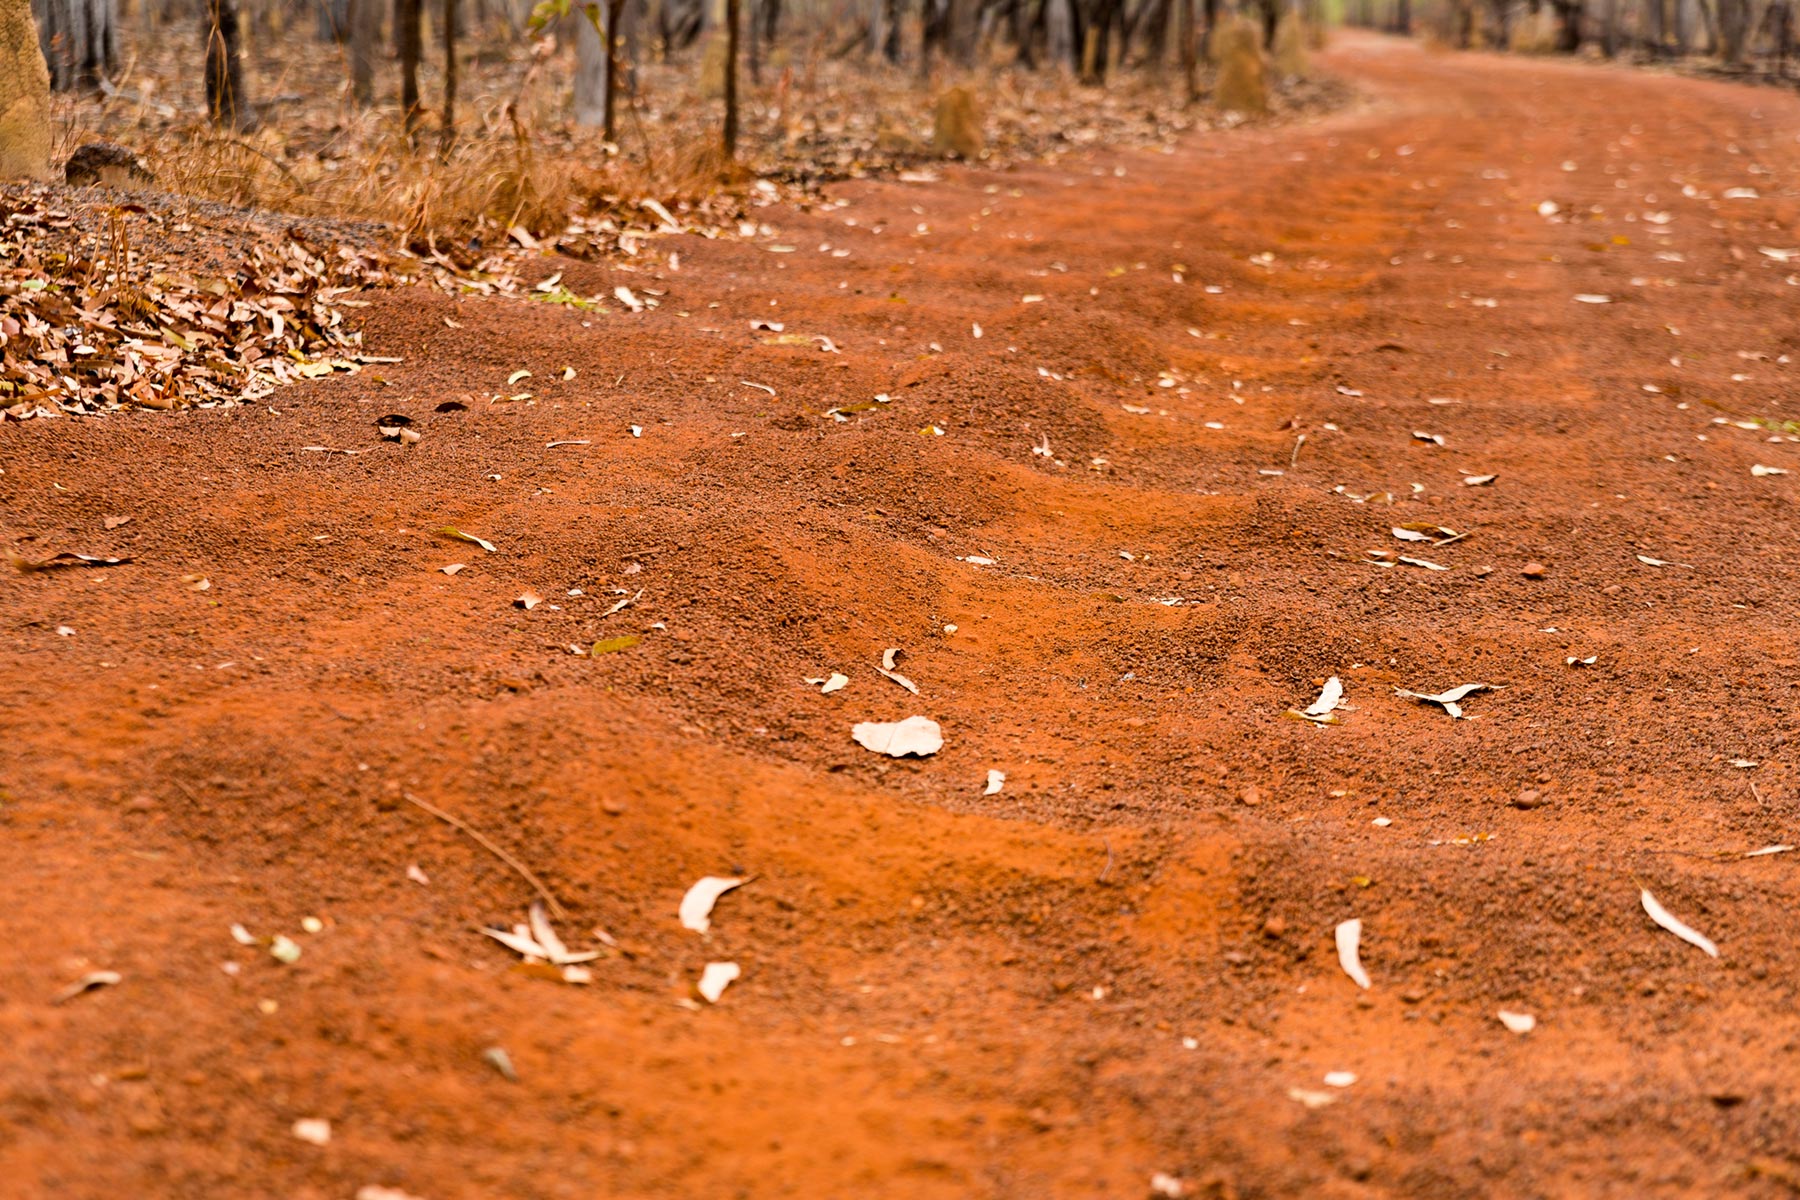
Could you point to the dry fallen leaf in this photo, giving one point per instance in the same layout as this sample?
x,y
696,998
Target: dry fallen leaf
x,y
716,977
1680,929
1658,562
696,907
66,558
538,940
828,685
528,601
1758,470
1450,699
87,983
459,535
1330,697
1478,480
886,669
1518,1022
995,781
1309,1098
315,1130
1349,949
915,735
453,568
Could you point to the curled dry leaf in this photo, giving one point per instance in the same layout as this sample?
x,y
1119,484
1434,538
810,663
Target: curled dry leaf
x,y
1660,562
1675,925
1320,710
1424,531
1310,1098
696,907
715,978
1592,298
1589,661
916,735
313,1130
1450,700
1478,480
1436,439
538,940
528,601
88,983
1761,471
452,531
1340,1079
1518,1022
828,685
66,558
1349,949
995,781
886,670
453,568
1387,558
570,442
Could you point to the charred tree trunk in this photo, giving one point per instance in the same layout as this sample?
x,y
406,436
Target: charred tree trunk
x,y
447,119
79,40
1188,36
226,102
406,17
729,141
365,36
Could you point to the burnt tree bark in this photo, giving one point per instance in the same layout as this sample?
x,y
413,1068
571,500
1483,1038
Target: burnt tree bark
x,y
226,101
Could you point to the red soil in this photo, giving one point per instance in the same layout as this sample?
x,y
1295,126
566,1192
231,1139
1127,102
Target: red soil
x,y
945,993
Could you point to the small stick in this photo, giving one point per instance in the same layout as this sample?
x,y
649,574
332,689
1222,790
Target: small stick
x,y
556,909
1294,458
1107,869
1756,793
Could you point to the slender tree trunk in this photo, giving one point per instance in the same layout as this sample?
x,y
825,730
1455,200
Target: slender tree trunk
x,y
406,15
365,36
447,122
729,141
615,39
753,51
1212,25
1653,27
226,102
591,61
1188,37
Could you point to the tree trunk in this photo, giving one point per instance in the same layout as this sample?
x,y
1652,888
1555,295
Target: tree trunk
x,y
729,140
1734,30
333,19
365,36
590,66
1190,56
447,120
406,17
226,102
615,37
78,39
24,96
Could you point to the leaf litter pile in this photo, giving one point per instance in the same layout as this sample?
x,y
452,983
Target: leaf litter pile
x,y
91,323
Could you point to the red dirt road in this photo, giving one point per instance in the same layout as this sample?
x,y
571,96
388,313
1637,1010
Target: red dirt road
x,y
1122,964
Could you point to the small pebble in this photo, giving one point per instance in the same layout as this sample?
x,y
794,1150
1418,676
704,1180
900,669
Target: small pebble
x,y
1533,570
1528,799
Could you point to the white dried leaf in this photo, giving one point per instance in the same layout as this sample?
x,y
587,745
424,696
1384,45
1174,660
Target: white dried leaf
x,y
697,905
1349,948
1478,480
1592,298
715,978
1659,562
915,735
315,1130
1674,925
1340,1079
1776,849
1166,1185
826,686
900,679
1589,661
1311,1099
527,601
1518,1022
995,781
453,568
1436,439
1329,698
1761,471
518,942
87,983
371,1191
417,876
1449,700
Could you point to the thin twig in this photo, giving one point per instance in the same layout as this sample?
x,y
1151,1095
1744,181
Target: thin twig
x,y
1294,458
1756,793
556,909
1107,869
